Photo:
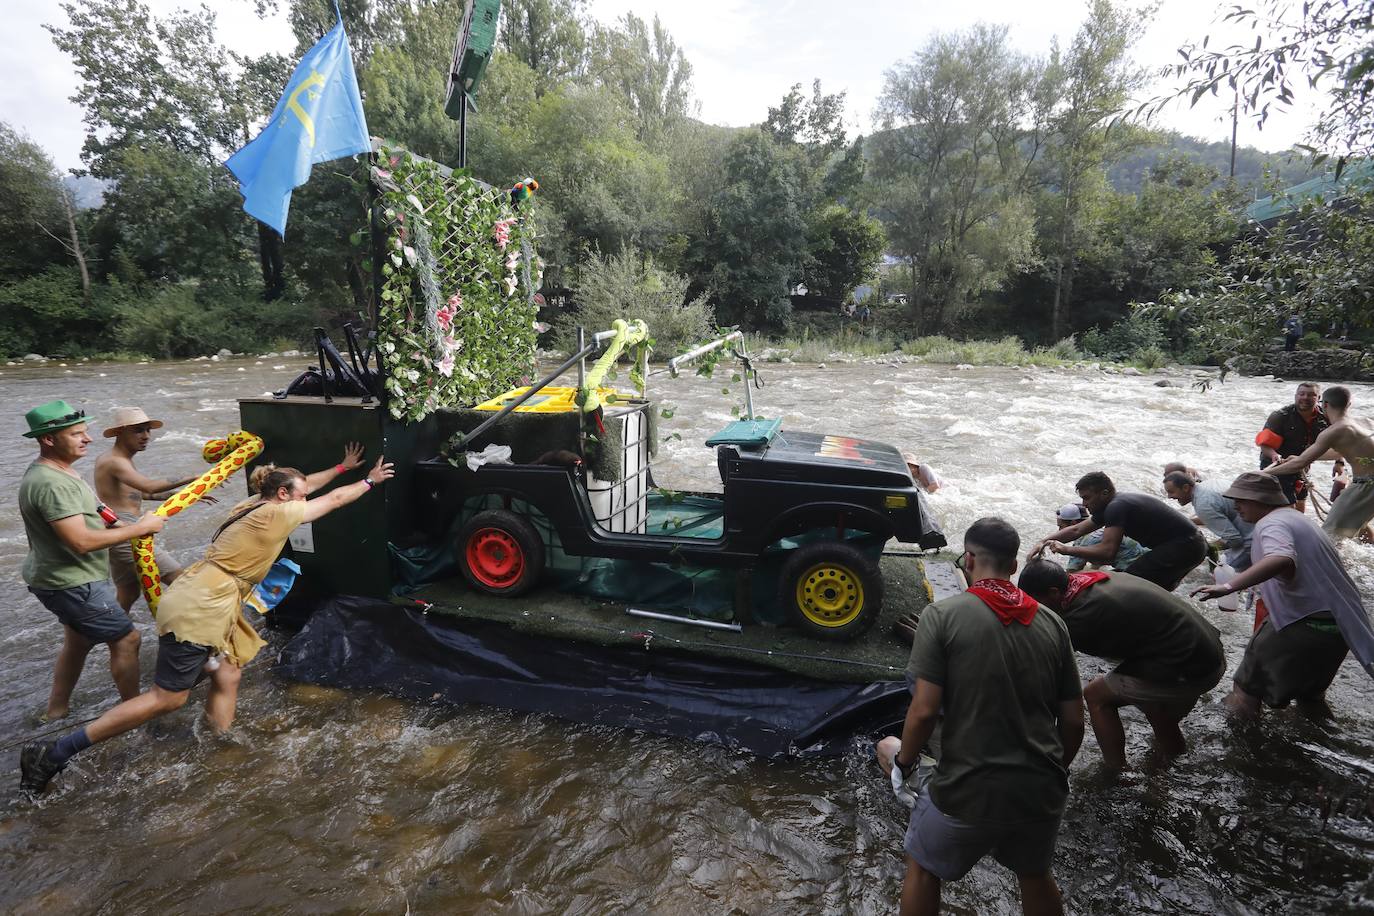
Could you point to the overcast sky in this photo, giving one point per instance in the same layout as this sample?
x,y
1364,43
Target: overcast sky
x,y
744,53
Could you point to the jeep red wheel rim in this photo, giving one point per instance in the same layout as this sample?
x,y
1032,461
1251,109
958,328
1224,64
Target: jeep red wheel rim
x,y
495,558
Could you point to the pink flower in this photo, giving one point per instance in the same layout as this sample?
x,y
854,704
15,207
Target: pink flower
x,y
445,316
446,365
500,230
456,301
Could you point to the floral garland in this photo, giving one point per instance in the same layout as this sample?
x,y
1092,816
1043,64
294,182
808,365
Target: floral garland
x,y
458,277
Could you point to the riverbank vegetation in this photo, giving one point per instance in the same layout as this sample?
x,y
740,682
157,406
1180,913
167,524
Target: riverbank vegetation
x,y
999,196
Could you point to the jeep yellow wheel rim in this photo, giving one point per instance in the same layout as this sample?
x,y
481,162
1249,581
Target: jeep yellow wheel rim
x,y
830,595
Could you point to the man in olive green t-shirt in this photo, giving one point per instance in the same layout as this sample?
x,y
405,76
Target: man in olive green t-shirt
x,y
1002,669
67,567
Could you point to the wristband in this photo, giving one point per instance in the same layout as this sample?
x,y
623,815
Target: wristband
x,y
368,481
339,469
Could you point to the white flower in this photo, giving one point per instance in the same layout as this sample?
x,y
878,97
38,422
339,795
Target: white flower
x,y
446,365
388,347
413,375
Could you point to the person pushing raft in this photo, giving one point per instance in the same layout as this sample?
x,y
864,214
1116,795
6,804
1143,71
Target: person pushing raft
x,y
201,615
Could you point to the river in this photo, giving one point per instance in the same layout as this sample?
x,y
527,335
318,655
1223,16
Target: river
x,y
326,801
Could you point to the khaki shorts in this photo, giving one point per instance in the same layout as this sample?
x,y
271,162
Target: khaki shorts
x,y
124,571
1181,694
1352,510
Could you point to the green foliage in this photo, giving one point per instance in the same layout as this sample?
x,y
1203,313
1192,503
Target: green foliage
x,y
1124,339
1090,82
181,320
458,281
546,36
843,249
755,239
951,167
629,284
30,206
1327,44
650,73
1319,265
44,314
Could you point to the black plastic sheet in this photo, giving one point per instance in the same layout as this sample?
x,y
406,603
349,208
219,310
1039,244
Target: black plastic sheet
x,y
362,643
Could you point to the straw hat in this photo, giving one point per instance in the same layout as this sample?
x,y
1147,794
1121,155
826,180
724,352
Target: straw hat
x,y
1258,487
130,416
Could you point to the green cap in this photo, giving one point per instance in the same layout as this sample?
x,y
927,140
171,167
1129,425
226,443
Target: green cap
x,y
52,416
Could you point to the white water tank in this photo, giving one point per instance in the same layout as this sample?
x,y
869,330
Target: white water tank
x,y
623,505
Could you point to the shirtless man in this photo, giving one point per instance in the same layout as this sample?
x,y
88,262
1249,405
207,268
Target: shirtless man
x,y
1349,438
121,487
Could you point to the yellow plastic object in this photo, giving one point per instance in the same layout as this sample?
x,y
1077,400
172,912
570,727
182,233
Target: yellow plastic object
x,y
550,400
228,455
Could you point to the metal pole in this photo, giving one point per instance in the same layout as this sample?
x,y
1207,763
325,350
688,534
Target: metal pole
x,y
702,350
463,133
532,391
708,624
748,382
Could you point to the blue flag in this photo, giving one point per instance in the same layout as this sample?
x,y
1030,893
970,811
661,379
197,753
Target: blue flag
x,y
319,117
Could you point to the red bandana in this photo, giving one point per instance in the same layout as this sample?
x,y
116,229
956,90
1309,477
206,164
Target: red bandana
x,y
1006,600
1080,581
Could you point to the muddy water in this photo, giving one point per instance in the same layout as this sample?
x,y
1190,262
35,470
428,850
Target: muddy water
x,y
326,801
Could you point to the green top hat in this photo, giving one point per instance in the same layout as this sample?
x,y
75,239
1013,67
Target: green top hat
x,y
52,416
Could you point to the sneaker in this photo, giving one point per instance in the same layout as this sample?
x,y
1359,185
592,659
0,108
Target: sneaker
x,y
35,769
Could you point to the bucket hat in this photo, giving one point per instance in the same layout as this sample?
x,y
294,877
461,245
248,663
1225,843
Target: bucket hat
x,y
52,416
129,416
1259,487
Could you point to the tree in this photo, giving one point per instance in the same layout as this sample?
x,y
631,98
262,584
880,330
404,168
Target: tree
x,y
1318,263
753,244
1328,44
1091,82
843,249
951,167
649,71
547,36
30,198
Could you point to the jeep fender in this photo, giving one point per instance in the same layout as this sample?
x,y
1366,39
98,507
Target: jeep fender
x,y
827,515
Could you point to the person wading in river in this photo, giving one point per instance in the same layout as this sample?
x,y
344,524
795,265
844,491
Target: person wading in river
x,y
1169,655
1176,546
67,567
1002,669
1315,613
1354,440
201,614
121,487
1289,431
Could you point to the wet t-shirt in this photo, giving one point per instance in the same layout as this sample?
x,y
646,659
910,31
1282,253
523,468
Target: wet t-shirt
x,y
1002,760
1156,635
1146,518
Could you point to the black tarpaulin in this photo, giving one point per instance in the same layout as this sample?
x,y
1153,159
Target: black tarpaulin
x,y
364,643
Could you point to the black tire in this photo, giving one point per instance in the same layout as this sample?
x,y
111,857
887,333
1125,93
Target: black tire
x,y
831,591
500,553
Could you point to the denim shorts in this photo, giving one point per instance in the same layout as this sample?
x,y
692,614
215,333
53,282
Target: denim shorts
x,y
89,609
